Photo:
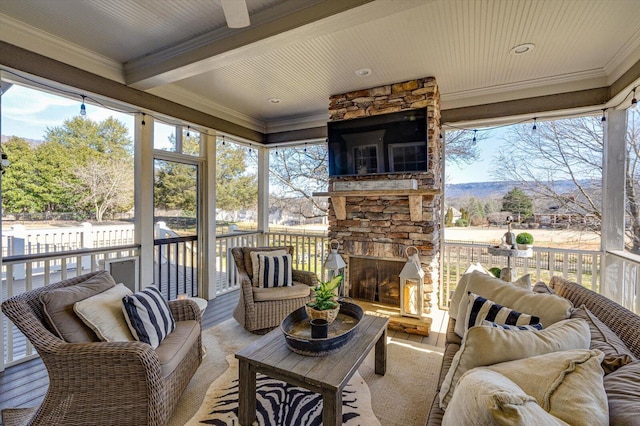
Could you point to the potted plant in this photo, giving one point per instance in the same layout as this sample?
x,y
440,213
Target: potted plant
x,y
524,241
324,304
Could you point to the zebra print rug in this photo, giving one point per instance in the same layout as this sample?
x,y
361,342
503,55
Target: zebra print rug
x,y
281,404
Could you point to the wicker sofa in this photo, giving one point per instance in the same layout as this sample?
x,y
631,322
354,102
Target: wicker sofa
x,y
624,323
260,310
123,383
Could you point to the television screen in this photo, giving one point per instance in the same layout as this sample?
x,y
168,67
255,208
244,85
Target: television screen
x,y
388,143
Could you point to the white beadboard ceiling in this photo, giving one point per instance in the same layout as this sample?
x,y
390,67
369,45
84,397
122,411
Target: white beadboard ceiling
x,y
183,46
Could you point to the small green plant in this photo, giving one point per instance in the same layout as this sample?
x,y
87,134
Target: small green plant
x,y
325,295
495,271
524,238
462,223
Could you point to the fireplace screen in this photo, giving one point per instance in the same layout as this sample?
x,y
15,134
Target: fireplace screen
x,y
375,280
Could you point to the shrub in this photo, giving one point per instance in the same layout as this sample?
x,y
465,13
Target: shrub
x,y
524,238
495,271
462,223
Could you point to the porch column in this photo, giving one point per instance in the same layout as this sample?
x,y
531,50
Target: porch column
x,y
613,180
143,172
209,215
263,190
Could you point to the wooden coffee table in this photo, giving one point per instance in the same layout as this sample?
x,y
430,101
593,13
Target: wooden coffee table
x,y
326,375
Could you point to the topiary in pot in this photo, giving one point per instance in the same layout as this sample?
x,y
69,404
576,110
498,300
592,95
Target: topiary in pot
x,y
524,240
324,304
495,271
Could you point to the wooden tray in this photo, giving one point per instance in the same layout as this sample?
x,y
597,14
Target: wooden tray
x,y
297,331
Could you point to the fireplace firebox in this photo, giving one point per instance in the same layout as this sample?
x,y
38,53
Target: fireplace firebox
x,y
375,280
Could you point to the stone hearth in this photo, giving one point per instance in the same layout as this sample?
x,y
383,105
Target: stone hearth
x,y
379,216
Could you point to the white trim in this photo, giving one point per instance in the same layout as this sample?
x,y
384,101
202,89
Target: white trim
x,y
514,88
318,120
34,39
206,105
624,58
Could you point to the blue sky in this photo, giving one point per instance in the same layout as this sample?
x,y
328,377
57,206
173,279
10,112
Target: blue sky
x,y
27,113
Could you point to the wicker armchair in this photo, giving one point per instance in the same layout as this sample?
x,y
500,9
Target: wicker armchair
x,y
102,382
261,317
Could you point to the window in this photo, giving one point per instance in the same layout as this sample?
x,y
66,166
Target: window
x,y
62,167
632,201
366,159
178,139
407,157
236,187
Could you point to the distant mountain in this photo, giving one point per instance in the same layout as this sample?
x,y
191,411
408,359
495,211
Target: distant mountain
x,y
497,189
32,142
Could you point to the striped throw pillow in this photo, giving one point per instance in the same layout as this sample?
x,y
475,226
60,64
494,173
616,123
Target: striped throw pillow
x,y
480,309
532,327
148,316
275,271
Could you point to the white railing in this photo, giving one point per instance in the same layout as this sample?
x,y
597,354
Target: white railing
x,y
20,240
621,279
581,266
41,270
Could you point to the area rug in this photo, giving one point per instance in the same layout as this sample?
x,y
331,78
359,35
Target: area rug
x,y
401,397
279,403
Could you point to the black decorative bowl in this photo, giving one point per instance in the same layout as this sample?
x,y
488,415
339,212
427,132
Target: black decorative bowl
x,y
297,331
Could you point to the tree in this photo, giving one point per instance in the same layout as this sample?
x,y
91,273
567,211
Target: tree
x,y
572,150
106,184
19,183
87,166
298,172
448,217
175,186
236,182
518,203
460,146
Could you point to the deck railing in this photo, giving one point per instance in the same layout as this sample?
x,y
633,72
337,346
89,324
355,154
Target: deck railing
x,y
581,266
622,279
41,270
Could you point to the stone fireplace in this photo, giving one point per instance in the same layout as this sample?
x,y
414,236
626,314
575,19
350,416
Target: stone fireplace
x,y
376,217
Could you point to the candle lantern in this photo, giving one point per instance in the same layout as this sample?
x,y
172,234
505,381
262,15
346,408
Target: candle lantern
x,y
334,264
411,285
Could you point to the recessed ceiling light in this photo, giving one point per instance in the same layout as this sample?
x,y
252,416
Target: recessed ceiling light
x,y
522,49
275,100
363,72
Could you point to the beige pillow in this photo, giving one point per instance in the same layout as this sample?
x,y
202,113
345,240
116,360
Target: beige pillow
x,y
548,307
603,338
484,397
566,384
103,314
57,307
484,346
256,265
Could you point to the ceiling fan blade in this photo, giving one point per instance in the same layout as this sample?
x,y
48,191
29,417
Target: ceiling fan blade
x,y
236,13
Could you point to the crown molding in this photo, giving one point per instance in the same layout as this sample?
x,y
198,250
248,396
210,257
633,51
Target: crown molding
x,y
297,123
624,59
201,103
31,38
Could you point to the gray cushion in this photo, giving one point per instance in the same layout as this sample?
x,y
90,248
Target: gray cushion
x,y
616,353
176,345
57,306
623,392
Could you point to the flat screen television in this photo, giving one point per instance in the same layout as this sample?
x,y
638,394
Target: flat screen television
x,y
387,143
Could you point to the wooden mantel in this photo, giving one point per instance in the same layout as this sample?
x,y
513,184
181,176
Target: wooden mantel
x,y
339,199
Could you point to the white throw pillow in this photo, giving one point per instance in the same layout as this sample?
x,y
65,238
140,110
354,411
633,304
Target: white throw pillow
x,y
103,314
481,309
148,316
484,346
275,271
548,307
484,397
256,265
567,384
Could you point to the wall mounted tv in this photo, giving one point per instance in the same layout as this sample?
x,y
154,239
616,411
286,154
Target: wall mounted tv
x,y
387,143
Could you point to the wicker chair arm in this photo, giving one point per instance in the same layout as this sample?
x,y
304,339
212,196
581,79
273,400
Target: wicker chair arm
x,y
105,377
246,287
305,277
185,310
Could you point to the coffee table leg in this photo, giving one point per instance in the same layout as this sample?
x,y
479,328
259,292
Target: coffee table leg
x,y
246,394
332,408
381,354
